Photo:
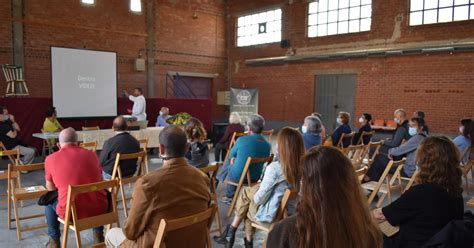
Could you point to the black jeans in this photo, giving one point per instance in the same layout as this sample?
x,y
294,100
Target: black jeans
x,y
380,163
220,151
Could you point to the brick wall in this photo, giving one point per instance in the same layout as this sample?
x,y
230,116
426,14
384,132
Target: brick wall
x,y
183,43
442,85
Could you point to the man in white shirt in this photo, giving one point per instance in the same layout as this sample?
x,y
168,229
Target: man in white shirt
x,y
139,104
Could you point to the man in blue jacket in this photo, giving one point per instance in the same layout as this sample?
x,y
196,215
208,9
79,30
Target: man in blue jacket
x,y
254,145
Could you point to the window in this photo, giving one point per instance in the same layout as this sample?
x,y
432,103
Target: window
x,y
439,11
259,28
331,17
88,2
136,6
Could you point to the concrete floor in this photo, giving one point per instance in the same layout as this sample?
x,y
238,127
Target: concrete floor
x,y
38,238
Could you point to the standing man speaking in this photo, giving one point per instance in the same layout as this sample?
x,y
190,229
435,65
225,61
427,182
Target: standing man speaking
x,y
139,104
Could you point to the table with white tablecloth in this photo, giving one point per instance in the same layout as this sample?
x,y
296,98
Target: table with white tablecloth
x,y
152,133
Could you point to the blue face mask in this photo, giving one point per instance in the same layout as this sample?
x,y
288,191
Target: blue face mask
x,y
304,129
412,131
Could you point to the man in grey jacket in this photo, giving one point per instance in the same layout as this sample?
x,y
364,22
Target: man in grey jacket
x,y
401,133
408,149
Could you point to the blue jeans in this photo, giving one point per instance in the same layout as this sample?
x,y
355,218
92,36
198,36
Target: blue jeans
x,y
106,175
230,190
53,223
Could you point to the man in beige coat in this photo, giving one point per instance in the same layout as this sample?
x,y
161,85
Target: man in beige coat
x,y
173,191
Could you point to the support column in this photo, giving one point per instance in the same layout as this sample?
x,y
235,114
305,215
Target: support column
x,y
17,27
150,47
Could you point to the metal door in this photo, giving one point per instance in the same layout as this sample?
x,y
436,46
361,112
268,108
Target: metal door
x,y
334,93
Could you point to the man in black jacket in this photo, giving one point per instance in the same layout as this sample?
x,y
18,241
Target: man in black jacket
x,y
401,133
122,142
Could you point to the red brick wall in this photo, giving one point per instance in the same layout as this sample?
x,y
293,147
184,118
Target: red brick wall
x,y
442,85
182,43
6,49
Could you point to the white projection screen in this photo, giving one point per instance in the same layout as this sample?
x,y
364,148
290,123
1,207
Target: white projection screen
x,y
84,82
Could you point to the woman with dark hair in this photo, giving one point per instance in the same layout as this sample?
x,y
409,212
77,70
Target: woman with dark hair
x,y
434,201
260,203
198,153
343,119
51,123
365,126
332,211
464,140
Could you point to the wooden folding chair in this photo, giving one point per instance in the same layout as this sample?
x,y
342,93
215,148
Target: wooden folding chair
x,y
375,147
235,136
268,134
17,193
356,154
89,145
470,203
213,169
144,145
466,167
117,174
345,136
398,176
246,174
77,225
410,181
385,185
167,226
360,173
90,128
47,146
282,211
364,135
13,156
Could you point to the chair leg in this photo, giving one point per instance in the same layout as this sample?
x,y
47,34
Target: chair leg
x,y
65,234
124,201
17,219
9,211
218,221
380,201
78,238
234,200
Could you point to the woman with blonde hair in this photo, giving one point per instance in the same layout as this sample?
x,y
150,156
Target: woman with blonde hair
x,y
220,151
434,201
332,210
260,203
198,153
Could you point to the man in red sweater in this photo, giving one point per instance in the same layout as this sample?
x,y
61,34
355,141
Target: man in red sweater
x,y
72,165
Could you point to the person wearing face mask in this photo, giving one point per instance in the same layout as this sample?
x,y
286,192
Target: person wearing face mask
x,y
323,129
163,117
421,114
407,149
9,136
465,139
401,133
364,121
343,122
311,130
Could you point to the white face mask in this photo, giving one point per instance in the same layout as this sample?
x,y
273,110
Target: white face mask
x,y
397,120
339,121
161,113
304,129
461,129
361,120
412,131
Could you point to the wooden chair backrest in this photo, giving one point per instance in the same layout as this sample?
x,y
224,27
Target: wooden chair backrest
x,y
360,173
282,210
89,145
384,178
212,169
345,136
376,151
70,217
143,143
13,155
180,223
269,134
14,173
364,135
90,128
463,155
139,156
234,138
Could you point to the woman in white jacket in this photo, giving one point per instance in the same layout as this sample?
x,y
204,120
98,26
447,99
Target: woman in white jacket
x,y
260,203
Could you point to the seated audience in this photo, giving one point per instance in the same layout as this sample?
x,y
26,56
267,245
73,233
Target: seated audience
x,y
464,140
433,201
220,151
198,153
72,165
400,134
9,131
343,128
51,124
163,117
121,142
365,126
421,114
407,149
332,210
260,203
323,129
254,145
311,130
175,190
